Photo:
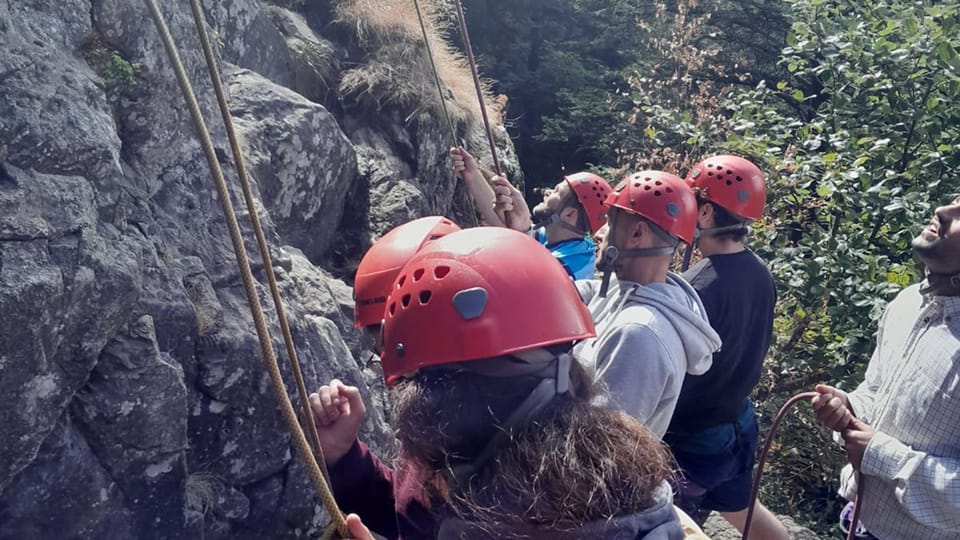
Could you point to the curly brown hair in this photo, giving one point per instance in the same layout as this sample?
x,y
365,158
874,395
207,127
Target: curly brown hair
x,y
570,464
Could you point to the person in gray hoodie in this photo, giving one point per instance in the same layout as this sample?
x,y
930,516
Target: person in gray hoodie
x,y
652,328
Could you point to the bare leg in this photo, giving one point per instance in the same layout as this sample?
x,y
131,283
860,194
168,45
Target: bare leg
x,y
765,525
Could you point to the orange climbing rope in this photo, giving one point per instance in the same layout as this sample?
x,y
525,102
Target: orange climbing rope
x,y
318,476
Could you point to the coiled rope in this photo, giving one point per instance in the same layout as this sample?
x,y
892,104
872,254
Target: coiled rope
x,y
762,460
317,475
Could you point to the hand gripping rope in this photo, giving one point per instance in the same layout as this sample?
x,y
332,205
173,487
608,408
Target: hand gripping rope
x,y
762,460
314,465
476,81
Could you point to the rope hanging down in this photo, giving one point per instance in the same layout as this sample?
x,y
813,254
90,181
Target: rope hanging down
x,y
436,74
762,460
211,61
300,441
476,82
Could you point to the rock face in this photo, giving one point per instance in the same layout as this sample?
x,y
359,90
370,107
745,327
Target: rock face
x,y
135,400
717,528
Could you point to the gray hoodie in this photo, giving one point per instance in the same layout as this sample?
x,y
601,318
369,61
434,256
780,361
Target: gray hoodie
x,y
648,338
659,522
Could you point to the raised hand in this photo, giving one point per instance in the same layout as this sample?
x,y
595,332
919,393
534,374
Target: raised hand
x,y
338,412
510,203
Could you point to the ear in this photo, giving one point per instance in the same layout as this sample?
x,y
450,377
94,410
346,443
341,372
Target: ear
x,y
705,215
570,215
639,234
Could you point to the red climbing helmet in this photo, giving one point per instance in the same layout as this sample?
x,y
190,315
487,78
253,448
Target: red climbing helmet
x,y
732,182
660,197
384,260
479,293
590,190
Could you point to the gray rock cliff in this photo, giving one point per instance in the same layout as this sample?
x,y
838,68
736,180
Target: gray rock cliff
x,y
135,400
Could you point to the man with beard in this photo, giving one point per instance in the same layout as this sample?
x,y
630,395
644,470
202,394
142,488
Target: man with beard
x,y
901,426
564,221
652,328
498,434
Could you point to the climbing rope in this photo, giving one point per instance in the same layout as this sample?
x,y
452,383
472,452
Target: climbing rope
x,y
762,460
257,228
317,476
476,82
436,74
462,20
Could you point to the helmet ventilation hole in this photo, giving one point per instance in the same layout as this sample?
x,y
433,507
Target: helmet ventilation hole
x,y
729,182
401,281
658,182
739,179
441,272
425,297
405,301
657,193
393,308
417,274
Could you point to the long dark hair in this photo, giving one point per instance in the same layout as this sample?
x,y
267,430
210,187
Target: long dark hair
x,y
571,463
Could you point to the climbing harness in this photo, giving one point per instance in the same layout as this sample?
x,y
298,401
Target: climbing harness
x,y
317,474
762,460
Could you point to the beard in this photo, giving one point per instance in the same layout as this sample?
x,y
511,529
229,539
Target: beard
x,y
939,255
541,213
922,246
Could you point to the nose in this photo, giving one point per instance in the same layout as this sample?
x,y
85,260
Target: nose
x,y
947,211
601,233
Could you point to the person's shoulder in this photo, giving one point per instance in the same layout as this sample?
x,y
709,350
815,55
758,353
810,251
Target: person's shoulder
x,y
909,299
701,272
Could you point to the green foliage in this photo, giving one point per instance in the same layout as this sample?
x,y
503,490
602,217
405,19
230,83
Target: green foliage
x,y
858,136
850,109
568,66
118,74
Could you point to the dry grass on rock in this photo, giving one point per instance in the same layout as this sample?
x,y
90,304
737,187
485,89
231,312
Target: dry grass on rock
x,y
399,72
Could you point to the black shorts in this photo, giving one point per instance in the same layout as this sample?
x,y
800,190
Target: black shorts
x,y
716,466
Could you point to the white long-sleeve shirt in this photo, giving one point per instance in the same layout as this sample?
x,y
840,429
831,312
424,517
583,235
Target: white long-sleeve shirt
x,y
911,396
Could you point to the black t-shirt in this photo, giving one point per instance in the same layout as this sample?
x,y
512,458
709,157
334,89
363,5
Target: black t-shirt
x,y
739,294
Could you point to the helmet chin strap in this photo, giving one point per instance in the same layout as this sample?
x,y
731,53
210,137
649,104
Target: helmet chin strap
x,y
611,254
554,217
556,382
717,231
711,231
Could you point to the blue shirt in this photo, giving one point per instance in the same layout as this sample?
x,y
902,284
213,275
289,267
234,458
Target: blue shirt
x,y
577,255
